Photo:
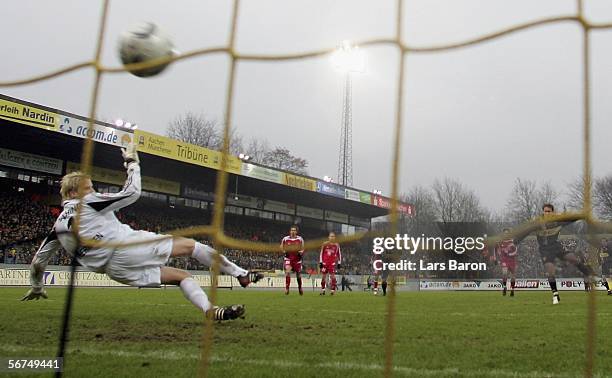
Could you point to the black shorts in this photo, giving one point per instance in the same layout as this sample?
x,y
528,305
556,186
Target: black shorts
x,y
549,255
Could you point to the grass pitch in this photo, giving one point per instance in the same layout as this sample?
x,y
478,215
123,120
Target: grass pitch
x,y
130,333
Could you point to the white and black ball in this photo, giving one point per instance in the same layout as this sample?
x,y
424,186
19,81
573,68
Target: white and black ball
x,y
143,42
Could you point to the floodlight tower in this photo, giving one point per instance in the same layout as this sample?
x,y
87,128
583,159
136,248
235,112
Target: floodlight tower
x,y
348,59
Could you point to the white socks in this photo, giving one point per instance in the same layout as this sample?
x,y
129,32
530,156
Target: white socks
x,y
192,291
205,254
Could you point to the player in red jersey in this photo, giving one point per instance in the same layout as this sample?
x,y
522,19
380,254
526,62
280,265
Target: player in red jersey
x,y
330,259
506,251
293,246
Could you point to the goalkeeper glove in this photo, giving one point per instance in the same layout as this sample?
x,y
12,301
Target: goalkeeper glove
x,y
130,154
35,294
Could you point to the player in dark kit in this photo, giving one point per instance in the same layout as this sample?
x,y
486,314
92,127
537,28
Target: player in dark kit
x,y
379,273
330,259
606,263
293,246
506,252
547,234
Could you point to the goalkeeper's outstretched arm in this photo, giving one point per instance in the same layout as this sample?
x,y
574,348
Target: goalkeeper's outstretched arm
x,y
47,248
131,189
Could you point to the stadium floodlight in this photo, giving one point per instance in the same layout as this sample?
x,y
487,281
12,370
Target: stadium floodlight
x,y
119,122
349,58
128,125
134,126
376,191
327,179
244,157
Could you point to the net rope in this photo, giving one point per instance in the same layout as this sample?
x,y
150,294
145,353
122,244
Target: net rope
x,y
216,229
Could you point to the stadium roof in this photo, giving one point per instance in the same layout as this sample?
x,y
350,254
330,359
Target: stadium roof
x,y
173,167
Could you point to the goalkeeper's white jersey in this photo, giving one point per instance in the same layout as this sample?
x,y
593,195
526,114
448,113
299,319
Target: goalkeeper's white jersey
x,y
97,222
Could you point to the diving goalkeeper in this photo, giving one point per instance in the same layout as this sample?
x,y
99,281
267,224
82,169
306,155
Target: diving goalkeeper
x,y
115,252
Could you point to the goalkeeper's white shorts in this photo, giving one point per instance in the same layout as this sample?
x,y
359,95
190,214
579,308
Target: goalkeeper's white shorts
x,y
139,265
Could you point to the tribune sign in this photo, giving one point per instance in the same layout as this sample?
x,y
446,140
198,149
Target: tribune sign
x,y
188,153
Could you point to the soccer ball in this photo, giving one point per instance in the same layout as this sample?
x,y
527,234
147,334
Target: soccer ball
x,y
143,42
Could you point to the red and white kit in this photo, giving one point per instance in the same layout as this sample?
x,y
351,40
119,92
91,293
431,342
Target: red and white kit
x,y
507,252
293,247
330,256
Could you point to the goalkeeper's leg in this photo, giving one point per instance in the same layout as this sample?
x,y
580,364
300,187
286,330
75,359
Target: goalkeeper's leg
x,y
205,255
194,293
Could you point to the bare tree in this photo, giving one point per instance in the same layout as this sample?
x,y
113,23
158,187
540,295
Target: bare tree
x,y
257,149
523,203
547,194
282,158
455,203
424,211
575,194
204,132
602,197
236,145
526,199
195,129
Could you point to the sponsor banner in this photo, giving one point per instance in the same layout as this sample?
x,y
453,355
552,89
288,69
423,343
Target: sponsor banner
x,y
565,284
28,115
469,285
385,203
21,277
110,176
197,193
243,201
365,198
223,281
336,217
490,285
30,162
331,189
575,284
361,222
99,133
309,212
279,207
173,149
352,195
262,173
436,285
531,284
300,182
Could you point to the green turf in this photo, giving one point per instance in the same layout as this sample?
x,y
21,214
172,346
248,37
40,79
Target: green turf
x,y
128,333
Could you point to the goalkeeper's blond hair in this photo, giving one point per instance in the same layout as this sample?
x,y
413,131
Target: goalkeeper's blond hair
x,y
71,182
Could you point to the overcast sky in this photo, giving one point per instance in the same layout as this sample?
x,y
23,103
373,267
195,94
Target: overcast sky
x,y
483,115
